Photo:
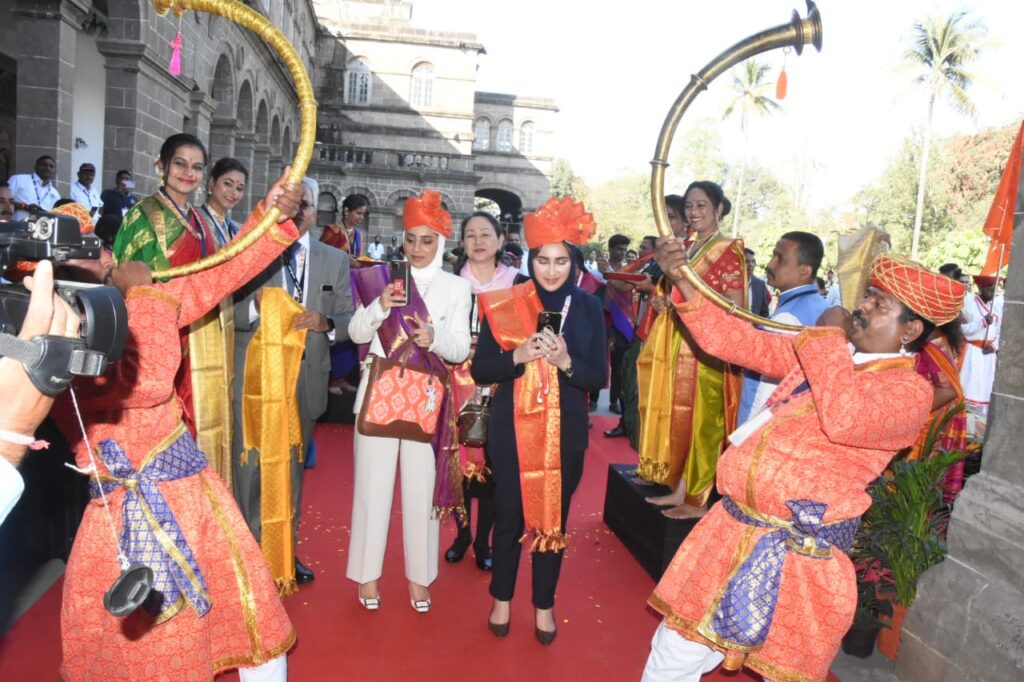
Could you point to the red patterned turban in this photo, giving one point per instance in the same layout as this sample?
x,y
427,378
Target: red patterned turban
x,y
934,297
983,281
426,209
559,220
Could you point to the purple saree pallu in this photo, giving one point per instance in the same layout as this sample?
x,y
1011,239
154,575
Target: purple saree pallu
x,y
369,284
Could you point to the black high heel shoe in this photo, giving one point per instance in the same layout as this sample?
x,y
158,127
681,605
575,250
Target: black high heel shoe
x,y
483,559
458,549
545,637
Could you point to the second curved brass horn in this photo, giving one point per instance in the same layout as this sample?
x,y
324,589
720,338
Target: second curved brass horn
x,y
797,33
261,26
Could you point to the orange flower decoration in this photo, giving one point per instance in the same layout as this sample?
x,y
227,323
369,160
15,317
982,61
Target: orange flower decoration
x,y
934,297
559,220
426,209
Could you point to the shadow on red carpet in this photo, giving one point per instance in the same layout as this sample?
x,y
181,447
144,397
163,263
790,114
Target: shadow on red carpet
x,y
604,629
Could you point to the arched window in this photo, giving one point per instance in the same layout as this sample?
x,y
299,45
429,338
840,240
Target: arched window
x,y
482,135
526,138
505,136
421,96
358,82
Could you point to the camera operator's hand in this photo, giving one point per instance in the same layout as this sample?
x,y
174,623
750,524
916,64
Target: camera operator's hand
x,y
133,273
25,406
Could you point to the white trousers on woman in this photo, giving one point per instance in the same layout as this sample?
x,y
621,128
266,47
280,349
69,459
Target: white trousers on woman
x,y
375,462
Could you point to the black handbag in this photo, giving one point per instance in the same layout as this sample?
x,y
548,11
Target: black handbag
x,y
474,419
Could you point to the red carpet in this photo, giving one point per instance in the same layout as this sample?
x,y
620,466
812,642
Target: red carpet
x,y
604,629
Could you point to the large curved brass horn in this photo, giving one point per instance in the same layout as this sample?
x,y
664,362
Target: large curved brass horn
x,y
257,23
797,33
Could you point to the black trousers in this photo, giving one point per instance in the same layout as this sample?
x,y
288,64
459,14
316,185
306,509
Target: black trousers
x,y
618,356
509,524
484,494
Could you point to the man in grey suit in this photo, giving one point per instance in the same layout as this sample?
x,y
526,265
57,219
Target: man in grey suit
x,y
317,276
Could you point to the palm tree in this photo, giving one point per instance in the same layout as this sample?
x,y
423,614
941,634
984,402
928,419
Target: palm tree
x,y
942,50
750,87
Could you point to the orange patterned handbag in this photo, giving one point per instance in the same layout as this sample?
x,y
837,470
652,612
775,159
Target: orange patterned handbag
x,y
401,401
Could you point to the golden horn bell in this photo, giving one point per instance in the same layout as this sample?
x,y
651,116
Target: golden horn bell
x,y
797,33
260,25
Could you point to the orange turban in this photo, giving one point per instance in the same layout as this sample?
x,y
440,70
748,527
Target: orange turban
x,y
983,281
559,220
18,270
79,213
426,209
934,297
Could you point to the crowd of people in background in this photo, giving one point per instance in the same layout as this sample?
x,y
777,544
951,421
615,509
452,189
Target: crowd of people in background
x,y
321,305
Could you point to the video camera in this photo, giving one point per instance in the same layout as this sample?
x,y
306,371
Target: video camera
x,y
51,361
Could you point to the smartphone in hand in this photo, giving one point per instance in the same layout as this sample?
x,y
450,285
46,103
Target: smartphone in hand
x,y
400,280
549,320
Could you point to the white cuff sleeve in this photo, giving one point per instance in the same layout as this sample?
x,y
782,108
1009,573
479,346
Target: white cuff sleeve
x,y
11,488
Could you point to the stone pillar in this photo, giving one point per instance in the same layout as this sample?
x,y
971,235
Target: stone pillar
x,y
260,178
244,144
968,620
47,40
222,137
200,122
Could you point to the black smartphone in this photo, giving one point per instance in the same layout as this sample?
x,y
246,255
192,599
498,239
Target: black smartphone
x,y
400,279
326,287
549,320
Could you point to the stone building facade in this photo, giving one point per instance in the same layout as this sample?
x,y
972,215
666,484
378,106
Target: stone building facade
x,y
87,81
399,112
92,85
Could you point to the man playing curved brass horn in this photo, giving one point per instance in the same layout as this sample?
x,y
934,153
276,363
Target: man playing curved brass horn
x,y
763,580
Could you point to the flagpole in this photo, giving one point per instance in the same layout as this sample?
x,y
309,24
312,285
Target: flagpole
x,y
999,267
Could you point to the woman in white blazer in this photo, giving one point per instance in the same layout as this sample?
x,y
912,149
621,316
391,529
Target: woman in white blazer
x,y
443,331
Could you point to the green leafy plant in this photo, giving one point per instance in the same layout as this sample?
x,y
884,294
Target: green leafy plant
x,y
903,532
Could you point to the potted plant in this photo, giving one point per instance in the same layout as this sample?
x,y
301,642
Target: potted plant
x,y
860,639
903,532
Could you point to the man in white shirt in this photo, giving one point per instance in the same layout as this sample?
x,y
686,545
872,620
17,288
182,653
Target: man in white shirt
x,y
25,406
83,192
34,191
982,318
376,249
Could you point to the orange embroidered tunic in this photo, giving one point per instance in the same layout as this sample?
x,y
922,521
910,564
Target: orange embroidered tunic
x,y
134,405
825,444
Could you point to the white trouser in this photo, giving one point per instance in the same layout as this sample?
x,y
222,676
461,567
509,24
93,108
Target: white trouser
x,y
677,659
375,463
274,670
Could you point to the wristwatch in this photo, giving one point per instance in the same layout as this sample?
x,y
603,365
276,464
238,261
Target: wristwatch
x,y
568,370
330,326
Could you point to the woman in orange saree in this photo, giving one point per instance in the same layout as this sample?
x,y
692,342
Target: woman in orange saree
x,y
688,399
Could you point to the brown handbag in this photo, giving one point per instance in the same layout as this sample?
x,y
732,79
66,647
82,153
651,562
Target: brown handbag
x,y
474,420
401,401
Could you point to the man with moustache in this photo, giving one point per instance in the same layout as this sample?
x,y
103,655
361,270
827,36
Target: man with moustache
x,y
34,192
763,581
317,277
83,192
792,272
6,204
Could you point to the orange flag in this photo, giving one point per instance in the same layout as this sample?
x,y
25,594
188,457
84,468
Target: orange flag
x,y
1007,210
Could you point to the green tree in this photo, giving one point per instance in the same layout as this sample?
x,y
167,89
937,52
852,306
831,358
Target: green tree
x,y
942,50
698,157
623,206
751,88
565,182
